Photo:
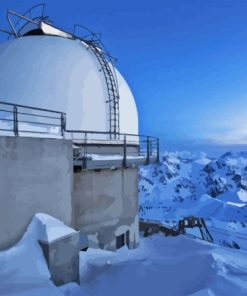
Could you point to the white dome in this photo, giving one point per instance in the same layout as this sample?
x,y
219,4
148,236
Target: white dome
x,y
63,75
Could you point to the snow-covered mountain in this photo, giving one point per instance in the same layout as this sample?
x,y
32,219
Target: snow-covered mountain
x,y
183,185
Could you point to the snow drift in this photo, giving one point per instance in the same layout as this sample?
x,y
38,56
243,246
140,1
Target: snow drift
x,y
173,266
23,269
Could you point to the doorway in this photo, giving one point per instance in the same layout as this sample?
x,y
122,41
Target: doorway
x,y
123,239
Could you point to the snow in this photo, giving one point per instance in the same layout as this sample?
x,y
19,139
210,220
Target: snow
x,y
164,265
113,157
242,194
50,229
169,265
23,269
203,161
214,190
110,156
240,205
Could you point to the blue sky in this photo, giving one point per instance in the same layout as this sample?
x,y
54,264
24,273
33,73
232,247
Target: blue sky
x,y
185,61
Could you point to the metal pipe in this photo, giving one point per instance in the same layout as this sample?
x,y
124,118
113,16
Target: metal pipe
x,y
148,151
20,16
15,121
62,125
107,133
125,153
84,158
10,23
28,107
158,150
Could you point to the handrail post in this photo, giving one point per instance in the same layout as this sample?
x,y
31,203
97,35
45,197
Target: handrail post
x,y
15,113
148,151
84,159
139,147
125,153
158,150
63,124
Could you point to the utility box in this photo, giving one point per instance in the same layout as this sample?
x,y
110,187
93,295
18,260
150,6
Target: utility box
x,y
62,257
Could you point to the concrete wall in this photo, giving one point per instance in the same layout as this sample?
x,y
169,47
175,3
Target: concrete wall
x,y
105,205
35,176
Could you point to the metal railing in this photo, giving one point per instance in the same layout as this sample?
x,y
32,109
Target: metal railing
x,y
20,119
33,15
146,147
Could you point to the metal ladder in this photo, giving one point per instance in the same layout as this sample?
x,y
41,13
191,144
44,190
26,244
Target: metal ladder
x,y
112,89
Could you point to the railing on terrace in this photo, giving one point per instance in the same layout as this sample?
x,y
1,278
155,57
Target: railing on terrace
x,y
24,120
21,120
147,147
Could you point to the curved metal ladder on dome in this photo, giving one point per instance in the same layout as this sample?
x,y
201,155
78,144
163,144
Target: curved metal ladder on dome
x,y
105,59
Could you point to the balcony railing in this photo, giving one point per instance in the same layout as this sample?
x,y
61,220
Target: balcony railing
x,y
23,120
20,120
131,146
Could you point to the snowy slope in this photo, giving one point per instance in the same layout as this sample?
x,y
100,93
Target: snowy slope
x,y
187,185
159,266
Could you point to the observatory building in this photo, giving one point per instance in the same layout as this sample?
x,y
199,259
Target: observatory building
x,y
69,142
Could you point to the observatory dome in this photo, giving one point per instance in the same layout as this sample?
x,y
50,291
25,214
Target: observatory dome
x,y
62,74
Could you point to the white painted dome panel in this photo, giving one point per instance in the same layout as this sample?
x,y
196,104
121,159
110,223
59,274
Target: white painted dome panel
x,y
62,74
128,111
